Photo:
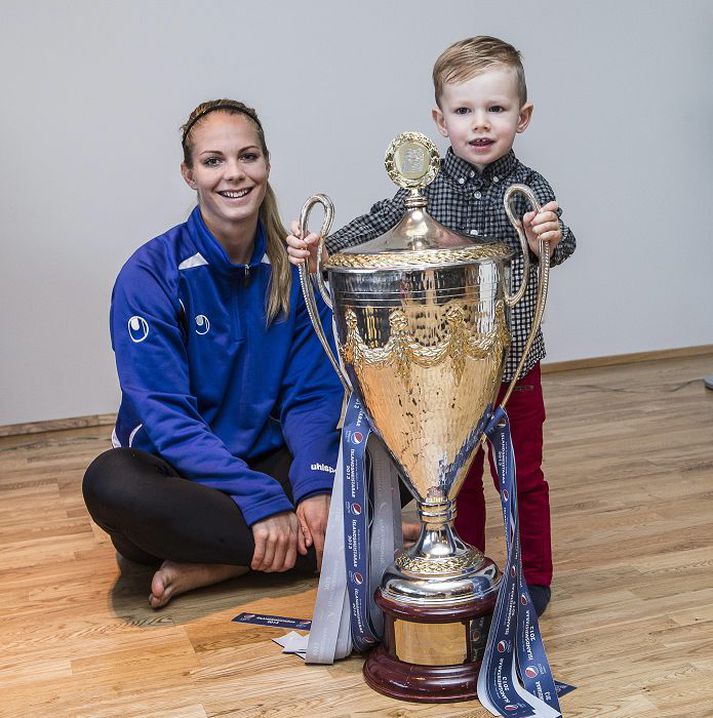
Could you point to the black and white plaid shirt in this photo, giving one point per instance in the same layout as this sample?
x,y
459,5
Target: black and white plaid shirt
x,y
472,203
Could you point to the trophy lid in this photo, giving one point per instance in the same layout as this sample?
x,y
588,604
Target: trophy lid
x,y
412,162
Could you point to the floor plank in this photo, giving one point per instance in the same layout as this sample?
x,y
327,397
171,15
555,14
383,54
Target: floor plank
x,y
629,458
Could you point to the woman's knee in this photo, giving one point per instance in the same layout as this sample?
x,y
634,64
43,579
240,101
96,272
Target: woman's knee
x,y
104,480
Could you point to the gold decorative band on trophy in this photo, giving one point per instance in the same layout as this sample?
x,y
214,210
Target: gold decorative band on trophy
x,y
437,566
400,260
456,341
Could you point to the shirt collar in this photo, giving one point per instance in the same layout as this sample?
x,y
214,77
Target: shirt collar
x,y
465,173
212,250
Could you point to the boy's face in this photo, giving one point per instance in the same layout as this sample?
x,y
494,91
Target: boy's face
x,y
481,116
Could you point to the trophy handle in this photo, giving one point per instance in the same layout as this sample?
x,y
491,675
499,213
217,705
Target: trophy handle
x,y
306,284
328,206
543,271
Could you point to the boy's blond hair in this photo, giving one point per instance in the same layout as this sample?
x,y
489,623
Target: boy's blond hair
x,y
467,58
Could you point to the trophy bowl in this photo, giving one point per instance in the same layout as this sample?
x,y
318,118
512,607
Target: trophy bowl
x,y
421,317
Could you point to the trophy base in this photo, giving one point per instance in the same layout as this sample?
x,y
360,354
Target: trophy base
x,y
420,684
430,654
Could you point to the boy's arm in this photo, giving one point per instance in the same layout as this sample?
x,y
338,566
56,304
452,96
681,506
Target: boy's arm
x,y
566,246
379,219
544,193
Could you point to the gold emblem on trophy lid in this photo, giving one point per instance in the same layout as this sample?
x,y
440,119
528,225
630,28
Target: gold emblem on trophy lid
x,y
412,161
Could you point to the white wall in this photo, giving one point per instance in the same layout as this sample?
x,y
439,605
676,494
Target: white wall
x,y
93,93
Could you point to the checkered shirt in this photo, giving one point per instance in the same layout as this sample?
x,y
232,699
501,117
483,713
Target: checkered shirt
x,y
471,203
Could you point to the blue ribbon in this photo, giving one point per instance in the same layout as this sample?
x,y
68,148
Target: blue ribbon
x,y
355,435
515,672
514,657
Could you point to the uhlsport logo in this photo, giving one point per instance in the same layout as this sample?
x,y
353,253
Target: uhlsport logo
x,y
531,672
356,508
357,437
323,467
202,324
138,329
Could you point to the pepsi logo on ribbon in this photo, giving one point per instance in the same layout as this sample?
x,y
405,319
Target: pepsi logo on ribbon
x,y
356,527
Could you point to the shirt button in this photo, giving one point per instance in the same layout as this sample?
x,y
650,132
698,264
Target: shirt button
x,y
461,180
471,174
477,195
474,231
496,178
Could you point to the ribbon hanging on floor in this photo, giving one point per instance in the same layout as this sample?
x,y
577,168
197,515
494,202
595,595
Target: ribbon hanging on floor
x,y
515,677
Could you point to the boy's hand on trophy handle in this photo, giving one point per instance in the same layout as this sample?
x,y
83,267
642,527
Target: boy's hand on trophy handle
x,y
300,249
297,248
543,226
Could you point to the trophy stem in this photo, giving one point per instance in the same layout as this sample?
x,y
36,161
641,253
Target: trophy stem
x,y
437,513
437,538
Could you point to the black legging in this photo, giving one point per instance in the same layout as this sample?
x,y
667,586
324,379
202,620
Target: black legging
x,y
152,514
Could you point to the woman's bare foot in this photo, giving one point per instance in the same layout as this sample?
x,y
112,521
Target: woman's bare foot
x,y
173,579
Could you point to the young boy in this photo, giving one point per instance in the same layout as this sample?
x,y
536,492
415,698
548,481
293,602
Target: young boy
x,y
481,104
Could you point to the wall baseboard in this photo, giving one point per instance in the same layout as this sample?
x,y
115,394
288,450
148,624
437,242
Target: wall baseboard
x,y
80,422
76,422
635,358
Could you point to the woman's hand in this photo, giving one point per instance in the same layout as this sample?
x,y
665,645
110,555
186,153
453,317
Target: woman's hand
x,y
313,514
277,540
543,225
299,249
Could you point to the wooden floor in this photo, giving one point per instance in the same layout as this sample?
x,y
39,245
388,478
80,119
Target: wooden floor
x,y
630,464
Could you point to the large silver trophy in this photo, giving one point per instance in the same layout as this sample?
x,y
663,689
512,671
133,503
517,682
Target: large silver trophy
x,y
421,317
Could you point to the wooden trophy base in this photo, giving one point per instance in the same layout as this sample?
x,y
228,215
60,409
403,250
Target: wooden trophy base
x,y
429,655
423,684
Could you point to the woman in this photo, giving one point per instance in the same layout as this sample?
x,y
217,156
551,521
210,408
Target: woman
x,y
226,440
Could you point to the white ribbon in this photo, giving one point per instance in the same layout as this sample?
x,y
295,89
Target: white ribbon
x,y
330,638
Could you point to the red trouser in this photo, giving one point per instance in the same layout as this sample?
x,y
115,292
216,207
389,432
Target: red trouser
x,y
526,409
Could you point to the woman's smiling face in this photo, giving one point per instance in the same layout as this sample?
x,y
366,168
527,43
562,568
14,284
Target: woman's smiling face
x,y
229,170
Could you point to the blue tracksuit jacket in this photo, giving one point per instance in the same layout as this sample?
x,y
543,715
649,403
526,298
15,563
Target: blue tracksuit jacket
x,y
206,385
